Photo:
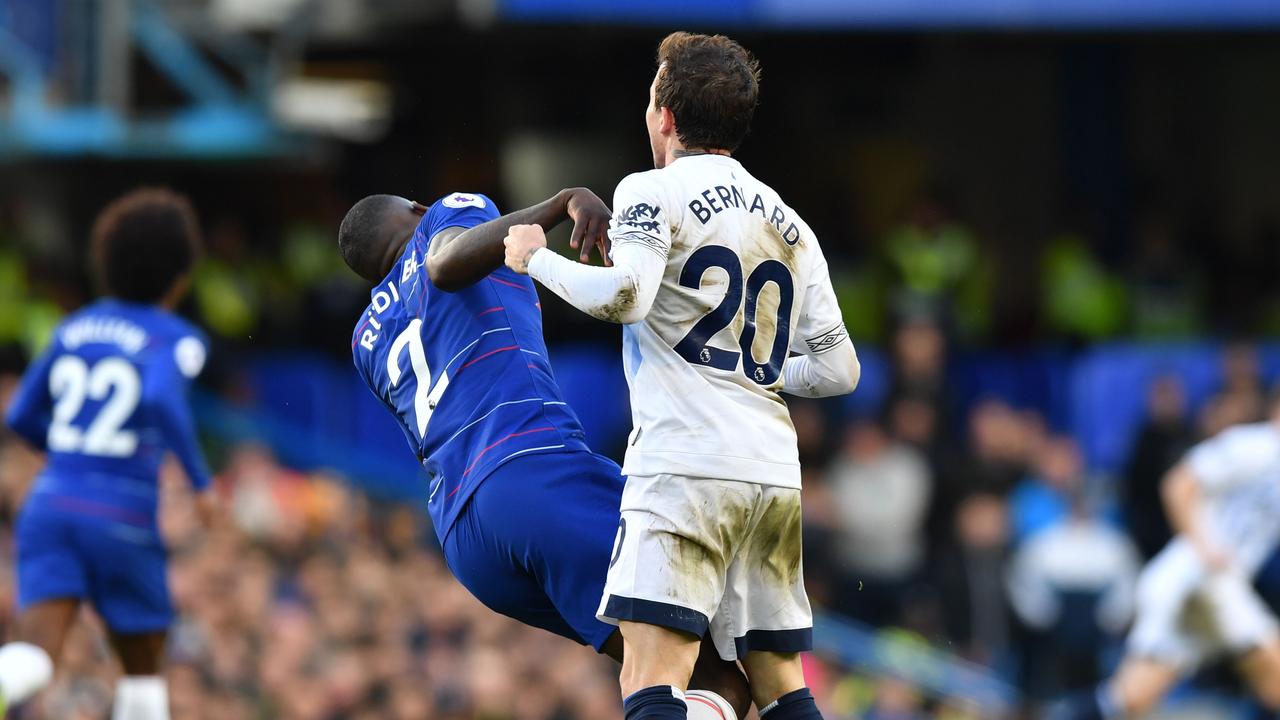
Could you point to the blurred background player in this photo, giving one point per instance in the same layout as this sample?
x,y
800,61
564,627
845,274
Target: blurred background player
x,y
452,344
710,536
1196,600
107,401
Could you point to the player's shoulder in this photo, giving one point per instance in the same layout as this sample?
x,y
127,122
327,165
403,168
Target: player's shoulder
x,y
462,200
1262,438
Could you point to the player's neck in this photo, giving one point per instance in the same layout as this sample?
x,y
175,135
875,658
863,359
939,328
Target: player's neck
x,y
681,152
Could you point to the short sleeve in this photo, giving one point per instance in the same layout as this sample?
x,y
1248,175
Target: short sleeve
x,y
458,210
821,326
1234,456
639,218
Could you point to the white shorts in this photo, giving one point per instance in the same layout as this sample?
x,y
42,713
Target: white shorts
x,y
1187,616
697,554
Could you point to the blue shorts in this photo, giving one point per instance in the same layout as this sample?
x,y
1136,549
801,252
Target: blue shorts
x,y
120,568
534,541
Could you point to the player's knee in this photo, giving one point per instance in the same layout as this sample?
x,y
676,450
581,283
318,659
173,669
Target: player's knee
x,y
1137,698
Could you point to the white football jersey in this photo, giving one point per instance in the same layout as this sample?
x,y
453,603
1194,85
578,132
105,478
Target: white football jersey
x,y
745,285
1239,473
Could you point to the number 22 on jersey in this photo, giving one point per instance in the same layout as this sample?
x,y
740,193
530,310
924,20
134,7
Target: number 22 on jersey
x,y
425,397
114,380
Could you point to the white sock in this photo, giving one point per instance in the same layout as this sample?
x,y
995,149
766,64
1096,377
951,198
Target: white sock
x,y
141,697
25,670
706,705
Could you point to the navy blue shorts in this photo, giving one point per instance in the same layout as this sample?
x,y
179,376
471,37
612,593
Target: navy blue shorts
x,y
120,568
534,541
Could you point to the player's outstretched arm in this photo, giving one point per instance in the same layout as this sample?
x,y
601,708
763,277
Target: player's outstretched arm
x,y
622,293
462,256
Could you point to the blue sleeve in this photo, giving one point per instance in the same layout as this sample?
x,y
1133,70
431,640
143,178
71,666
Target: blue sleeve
x,y
179,428
458,210
30,412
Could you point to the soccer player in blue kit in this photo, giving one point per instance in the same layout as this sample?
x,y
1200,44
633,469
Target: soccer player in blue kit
x,y
106,401
452,344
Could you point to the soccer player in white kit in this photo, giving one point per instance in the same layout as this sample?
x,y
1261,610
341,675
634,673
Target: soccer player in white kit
x,y
717,282
1196,600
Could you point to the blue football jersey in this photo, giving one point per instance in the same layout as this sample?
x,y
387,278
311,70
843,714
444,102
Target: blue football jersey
x,y
107,400
465,373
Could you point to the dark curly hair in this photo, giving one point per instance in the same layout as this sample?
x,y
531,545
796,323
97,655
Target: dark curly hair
x,y
712,86
143,243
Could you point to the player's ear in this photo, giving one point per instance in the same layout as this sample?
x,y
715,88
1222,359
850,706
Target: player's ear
x,y
418,208
666,121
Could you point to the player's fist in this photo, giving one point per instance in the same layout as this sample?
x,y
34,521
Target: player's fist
x,y
522,241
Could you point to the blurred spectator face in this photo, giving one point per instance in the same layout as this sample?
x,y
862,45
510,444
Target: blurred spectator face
x,y
914,421
1059,464
981,522
865,440
1167,401
1240,368
995,432
920,349
1228,409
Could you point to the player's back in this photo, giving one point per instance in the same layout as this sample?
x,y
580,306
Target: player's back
x,y
107,401
465,373
745,284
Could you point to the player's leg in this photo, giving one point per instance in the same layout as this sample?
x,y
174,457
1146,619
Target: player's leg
x,y
1138,687
129,588
51,581
1247,628
717,690
26,665
142,693
666,579
764,618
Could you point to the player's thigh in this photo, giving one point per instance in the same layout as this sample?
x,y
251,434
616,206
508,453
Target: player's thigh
x,y
676,538
482,558
128,569
764,607
50,566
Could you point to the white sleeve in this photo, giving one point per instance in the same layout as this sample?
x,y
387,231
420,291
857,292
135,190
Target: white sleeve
x,y
1234,456
621,294
641,237
827,363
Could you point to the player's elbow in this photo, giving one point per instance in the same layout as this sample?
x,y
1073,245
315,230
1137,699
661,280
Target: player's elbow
x,y
627,306
850,372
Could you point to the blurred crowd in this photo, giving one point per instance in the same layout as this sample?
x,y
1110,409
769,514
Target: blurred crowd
x,y
984,529
978,530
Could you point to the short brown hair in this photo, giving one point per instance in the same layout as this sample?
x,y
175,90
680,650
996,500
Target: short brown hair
x,y
712,86
143,243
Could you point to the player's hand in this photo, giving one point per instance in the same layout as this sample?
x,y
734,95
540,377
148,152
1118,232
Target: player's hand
x,y
590,224
209,509
522,241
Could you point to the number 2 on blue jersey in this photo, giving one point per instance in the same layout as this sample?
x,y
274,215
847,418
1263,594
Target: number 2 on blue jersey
x,y
693,347
425,397
113,380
